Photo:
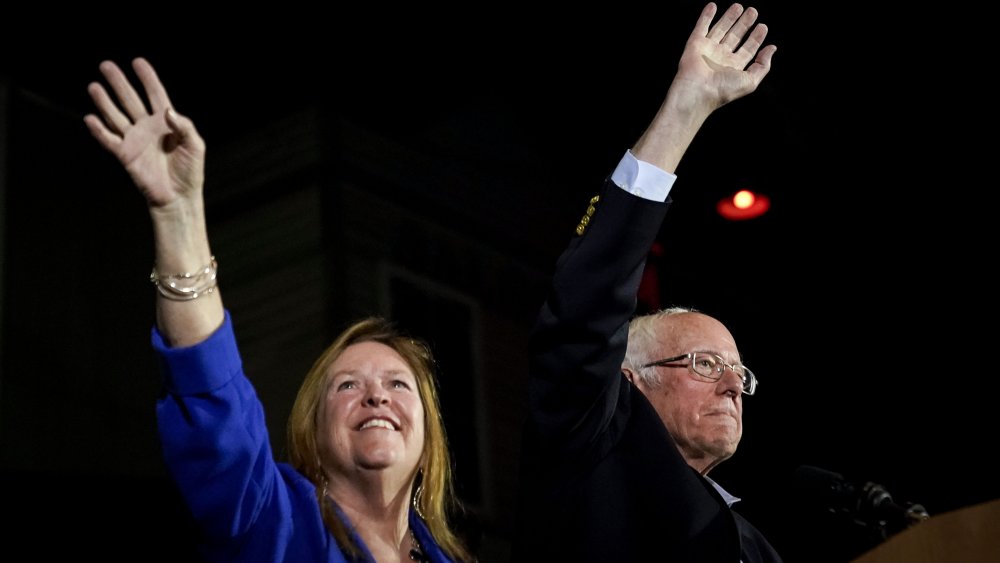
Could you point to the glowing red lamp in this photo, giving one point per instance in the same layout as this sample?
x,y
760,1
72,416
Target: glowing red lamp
x,y
743,205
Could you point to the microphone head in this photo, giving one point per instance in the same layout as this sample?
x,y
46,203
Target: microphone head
x,y
868,505
834,491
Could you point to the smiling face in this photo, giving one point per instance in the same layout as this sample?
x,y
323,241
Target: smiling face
x,y
371,417
704,417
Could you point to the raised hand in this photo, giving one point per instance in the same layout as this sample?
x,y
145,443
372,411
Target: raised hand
x,y
160,149
722,59
720,63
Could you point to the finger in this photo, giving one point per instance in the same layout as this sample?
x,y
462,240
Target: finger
x,y
734,36
184,132
113,116
155,91
180,125
704,20
762,64
127,96
106,138
721,27
749,49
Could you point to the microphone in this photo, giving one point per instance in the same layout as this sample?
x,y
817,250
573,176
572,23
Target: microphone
x,y
869,504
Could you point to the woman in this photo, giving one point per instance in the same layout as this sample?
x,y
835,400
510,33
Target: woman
x,y
369,478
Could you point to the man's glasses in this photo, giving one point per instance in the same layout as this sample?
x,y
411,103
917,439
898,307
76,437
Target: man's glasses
x,y
711,367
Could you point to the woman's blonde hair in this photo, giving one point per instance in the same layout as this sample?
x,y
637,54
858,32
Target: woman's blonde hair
x,y
433,495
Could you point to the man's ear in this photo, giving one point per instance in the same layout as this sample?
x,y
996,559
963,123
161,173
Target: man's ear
x,y
629,375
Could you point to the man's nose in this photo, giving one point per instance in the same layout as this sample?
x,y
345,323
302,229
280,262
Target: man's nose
x,y
731,380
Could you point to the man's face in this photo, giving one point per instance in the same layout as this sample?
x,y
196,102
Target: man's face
x,y
704,417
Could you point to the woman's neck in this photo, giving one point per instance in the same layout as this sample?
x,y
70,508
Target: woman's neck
x,y
378,512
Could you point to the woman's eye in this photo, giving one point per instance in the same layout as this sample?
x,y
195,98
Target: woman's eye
x,y
399,384
346,385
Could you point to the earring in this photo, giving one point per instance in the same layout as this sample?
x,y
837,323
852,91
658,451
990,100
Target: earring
x,y
418,494
323,481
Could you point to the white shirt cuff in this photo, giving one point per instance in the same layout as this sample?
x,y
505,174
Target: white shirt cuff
x,y
642,179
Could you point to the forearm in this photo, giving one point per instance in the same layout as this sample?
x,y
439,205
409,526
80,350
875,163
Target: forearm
x,y
181,246
672,130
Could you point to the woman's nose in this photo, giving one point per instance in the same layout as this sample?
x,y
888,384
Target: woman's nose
x,y
376,396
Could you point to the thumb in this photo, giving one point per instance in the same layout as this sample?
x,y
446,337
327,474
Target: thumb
x,y
179,125
183,130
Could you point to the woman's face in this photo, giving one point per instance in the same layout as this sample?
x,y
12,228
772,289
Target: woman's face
x,y
371,418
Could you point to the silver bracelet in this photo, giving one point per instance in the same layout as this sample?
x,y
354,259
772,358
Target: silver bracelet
x,y
186,286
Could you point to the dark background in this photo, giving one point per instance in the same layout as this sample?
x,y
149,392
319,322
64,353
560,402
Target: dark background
x,y
864,299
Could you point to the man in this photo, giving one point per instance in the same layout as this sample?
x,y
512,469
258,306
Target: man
x,y
617,447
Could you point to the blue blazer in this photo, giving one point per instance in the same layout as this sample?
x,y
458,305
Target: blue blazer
x,y
248,507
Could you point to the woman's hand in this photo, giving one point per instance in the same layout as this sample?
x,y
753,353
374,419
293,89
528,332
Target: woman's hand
x,y
160,149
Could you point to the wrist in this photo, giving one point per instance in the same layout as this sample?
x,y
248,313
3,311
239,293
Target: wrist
x,y
180,235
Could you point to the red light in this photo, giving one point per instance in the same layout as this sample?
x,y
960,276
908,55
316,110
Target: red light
x,y
744,204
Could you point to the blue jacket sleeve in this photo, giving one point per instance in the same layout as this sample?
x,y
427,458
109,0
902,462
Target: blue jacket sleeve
x,y
213,434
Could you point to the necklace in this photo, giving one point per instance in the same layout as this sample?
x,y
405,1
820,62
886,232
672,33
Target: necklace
x,y
416,552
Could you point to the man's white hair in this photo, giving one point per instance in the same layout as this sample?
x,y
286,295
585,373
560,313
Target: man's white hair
x,y
643,344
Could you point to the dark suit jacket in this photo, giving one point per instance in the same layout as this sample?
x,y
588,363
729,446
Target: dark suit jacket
x,y
601,479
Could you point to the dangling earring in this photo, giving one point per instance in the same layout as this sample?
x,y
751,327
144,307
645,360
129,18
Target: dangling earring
x,y
418,494
324,482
